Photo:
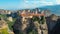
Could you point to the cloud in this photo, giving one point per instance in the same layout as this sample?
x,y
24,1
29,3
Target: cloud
x,y
38,3
46,3
57,1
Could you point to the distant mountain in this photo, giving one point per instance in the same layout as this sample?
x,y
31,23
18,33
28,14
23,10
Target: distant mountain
x,y
55,9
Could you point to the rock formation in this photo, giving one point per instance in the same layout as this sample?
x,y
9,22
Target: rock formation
x,y
51,22
4,29
30,26
56,29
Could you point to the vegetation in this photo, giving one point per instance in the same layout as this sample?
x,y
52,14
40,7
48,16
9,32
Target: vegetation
x,y
33,32
4,31
4,16
41,21
36,19
11,23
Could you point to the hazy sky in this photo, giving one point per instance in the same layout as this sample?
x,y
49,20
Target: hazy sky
x,y
10,4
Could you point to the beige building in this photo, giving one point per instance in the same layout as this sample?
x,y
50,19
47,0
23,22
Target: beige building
x,y
10,19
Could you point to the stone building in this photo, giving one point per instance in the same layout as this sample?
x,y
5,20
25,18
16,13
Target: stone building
x,y
10,19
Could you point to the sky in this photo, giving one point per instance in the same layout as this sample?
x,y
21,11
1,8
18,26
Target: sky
x,y
22,4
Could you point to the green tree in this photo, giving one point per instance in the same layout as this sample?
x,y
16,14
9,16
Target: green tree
x,y
35,18
33,32
42,19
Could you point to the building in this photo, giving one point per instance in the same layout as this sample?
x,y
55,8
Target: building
x,y
10,19
5,12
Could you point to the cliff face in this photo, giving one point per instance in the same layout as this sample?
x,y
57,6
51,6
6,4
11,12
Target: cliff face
x,y
56,29
30,26
52,22
22,27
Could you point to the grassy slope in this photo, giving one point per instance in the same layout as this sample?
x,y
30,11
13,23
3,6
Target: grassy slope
x,y
4,31
8,22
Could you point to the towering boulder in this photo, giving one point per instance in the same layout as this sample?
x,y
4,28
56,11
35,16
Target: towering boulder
x,y
51,22
56,29
33,25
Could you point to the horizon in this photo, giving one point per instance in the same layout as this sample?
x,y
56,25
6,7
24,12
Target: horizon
x,y
28,4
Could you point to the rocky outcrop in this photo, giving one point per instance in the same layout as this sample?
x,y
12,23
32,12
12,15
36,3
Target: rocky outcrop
x,y
3,24
56,29
21,27
4,29
51,22
28,25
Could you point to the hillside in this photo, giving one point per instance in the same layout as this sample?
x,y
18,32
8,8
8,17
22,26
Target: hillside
x,y
55,9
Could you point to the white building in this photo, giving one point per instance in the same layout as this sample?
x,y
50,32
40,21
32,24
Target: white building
x,y
10,19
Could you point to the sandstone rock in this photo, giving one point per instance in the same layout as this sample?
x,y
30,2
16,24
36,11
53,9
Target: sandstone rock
x,y
27,25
